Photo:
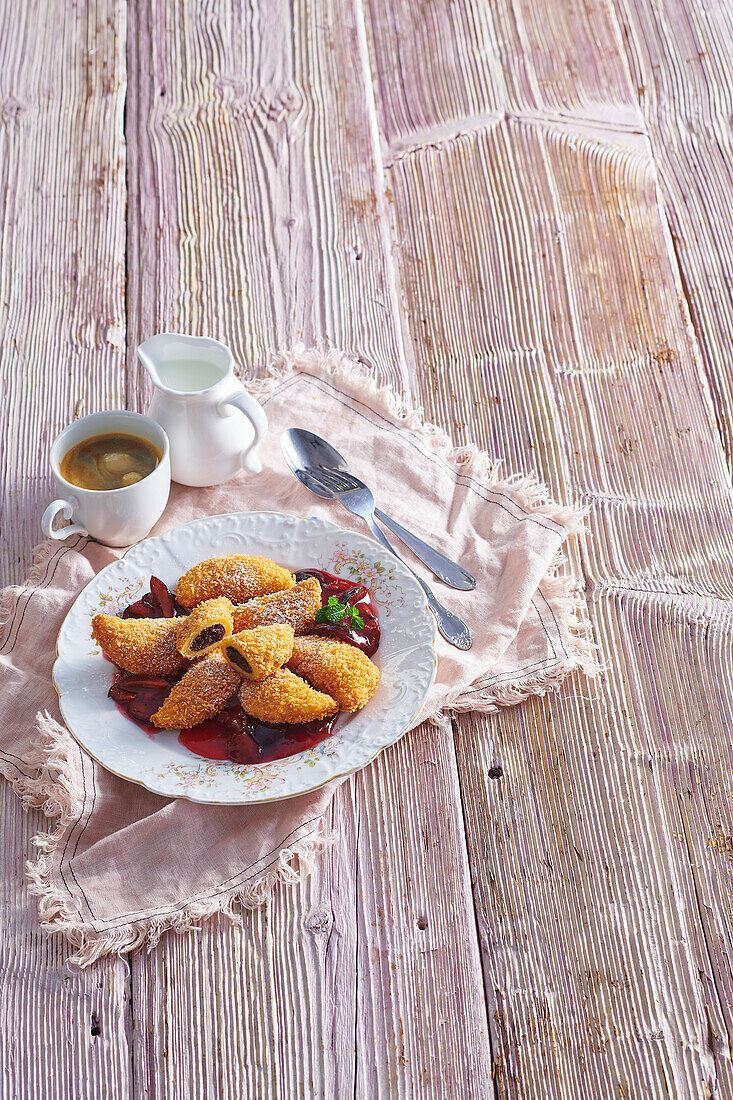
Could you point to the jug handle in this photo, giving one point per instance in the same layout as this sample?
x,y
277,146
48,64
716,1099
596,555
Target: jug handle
x,y
257,418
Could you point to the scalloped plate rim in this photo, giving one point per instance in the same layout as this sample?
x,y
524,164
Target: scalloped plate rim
x,y
129,557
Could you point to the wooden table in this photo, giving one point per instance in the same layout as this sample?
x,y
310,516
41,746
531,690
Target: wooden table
x,y
519,213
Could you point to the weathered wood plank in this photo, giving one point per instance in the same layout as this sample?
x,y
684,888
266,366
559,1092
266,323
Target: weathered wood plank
x,y
259,178
562,336
281,238
679,54
62,325
420,1024
239,1012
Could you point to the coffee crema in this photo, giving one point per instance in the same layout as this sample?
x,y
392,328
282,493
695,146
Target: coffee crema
x,y
109,461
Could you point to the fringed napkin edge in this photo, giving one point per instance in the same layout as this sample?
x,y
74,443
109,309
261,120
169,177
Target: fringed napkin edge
x,y
56,790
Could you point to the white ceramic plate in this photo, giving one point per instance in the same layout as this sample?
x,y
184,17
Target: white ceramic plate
x,y
406,659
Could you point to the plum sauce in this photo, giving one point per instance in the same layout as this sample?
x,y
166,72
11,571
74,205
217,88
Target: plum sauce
x,y
232,734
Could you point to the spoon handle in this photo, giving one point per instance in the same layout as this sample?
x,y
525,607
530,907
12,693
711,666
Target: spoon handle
x,y
453,629
445,569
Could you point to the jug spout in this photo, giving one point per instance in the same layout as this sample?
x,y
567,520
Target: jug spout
x,y
179,364
150,353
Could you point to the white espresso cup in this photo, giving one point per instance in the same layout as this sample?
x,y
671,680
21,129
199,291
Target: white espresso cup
x,y
116,517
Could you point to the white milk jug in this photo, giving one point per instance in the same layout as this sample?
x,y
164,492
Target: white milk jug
x,y
213,425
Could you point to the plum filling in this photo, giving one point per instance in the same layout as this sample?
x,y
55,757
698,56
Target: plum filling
x,y
237,659
210,636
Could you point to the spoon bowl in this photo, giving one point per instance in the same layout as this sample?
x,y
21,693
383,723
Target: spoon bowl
x,y
305,451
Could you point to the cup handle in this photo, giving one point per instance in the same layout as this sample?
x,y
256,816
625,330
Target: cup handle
x,y
66,508
257,418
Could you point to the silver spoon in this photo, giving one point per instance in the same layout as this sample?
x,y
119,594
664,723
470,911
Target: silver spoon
x,y
304,451
359,500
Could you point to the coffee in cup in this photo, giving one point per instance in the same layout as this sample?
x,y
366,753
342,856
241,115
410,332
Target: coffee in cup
x,y
112,475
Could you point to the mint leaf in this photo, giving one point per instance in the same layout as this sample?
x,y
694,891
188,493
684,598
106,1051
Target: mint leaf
x,y
332,613
356,619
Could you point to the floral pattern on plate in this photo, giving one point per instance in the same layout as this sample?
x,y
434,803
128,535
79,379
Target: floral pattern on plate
x,y
406,658
375,573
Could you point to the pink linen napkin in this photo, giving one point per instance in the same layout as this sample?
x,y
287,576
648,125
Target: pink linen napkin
x,y
113,873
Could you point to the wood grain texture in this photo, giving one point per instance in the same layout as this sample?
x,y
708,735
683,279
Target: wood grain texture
x,y
251,152
605,928
680,61
62,333
517,213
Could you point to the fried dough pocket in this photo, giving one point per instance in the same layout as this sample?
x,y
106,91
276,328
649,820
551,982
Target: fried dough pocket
x,y
337,668
259,652
284,697
297,607
239,577
145,647
204,689
204,628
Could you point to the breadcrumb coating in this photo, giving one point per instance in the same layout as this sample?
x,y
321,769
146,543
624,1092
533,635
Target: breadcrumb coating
x,y
204,628
146,647
204,689
284,697
340,669
257,653
238,576
297,607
